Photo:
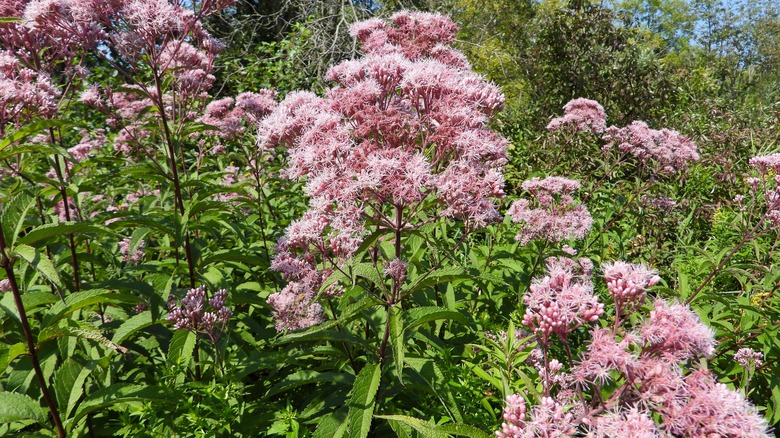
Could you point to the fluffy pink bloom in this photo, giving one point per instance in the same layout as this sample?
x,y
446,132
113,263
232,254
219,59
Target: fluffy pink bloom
x,y
293,306
403,130
92,97
555,216
561,301
605,354
624,423
711,409
581,115
671,150
674,331
88,144
24,93
764,163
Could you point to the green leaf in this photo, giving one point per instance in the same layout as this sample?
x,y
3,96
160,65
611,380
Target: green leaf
x,y
437,431
370,273
9,353
232,255
347,315
422,315
17,407
69,383
361,404
4,20
83,299
14,213
181,347
117,394
40,262
78,329
397,339
47,231
304,377
425,428
333,425
30,128
443,275
132,325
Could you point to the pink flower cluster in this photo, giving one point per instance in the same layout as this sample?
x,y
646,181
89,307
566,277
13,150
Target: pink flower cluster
x,y
232,116
404,125
647,362
553,216
294,306
581,115
671,150
191,314
631,422
24,93
88,144
627,283
547,419
5,285
635,376
561,301
131,258
768,185
749,358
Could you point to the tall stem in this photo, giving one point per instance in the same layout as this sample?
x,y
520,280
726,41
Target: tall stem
x,y
7,264
174,174
179,201
396,290
71,241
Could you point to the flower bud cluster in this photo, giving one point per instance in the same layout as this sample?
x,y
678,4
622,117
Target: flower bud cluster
x,y
561,301
191,314
749,359
766,185
628,283
136,256
514,417
396,270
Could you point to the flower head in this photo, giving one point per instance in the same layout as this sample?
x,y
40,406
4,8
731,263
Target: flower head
x,y
627,283
191,312
581,115
403,129
553,214
669,149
